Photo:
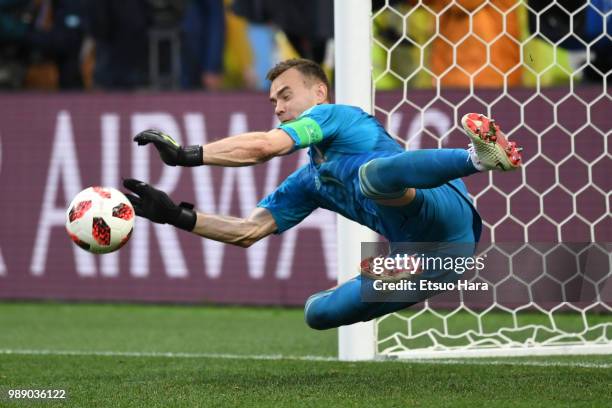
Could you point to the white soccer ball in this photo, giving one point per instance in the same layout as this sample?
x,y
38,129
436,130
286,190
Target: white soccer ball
x,y
100,219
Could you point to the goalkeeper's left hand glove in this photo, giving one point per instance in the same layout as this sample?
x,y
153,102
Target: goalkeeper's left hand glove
x,y
172,153
156,206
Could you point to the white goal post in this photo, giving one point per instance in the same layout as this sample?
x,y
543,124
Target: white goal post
x,y
529,327
353,86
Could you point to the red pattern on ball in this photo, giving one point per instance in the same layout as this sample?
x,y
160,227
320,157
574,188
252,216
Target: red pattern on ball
x,y
123,211
102,192
101,231
78,210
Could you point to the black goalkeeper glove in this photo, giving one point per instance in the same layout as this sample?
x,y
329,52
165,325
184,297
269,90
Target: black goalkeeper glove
x,y
156,206
170,151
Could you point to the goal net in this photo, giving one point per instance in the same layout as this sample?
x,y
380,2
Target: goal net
x,y
541,69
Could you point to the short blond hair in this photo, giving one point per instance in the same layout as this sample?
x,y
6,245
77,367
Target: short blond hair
x,y
308,68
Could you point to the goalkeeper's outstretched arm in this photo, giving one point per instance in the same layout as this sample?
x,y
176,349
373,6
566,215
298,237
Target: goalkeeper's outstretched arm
x,y
243,232
241,150
247,149
157,206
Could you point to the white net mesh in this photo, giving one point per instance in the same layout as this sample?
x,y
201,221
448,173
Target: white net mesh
x,y
541,69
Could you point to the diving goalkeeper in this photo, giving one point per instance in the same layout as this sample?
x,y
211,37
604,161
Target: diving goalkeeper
x,y
356,169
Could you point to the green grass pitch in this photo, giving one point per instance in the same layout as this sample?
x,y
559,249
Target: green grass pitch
x,y
172,356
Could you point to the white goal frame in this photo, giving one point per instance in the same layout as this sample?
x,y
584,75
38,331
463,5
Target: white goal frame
x,y
354,86
353,79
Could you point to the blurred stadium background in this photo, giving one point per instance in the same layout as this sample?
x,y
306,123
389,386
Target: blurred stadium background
x,y
79,78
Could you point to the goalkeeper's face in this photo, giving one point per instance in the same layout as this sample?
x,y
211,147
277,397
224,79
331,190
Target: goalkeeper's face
x,y
292,93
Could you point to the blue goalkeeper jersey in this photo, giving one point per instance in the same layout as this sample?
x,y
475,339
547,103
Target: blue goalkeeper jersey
x,y
340,139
